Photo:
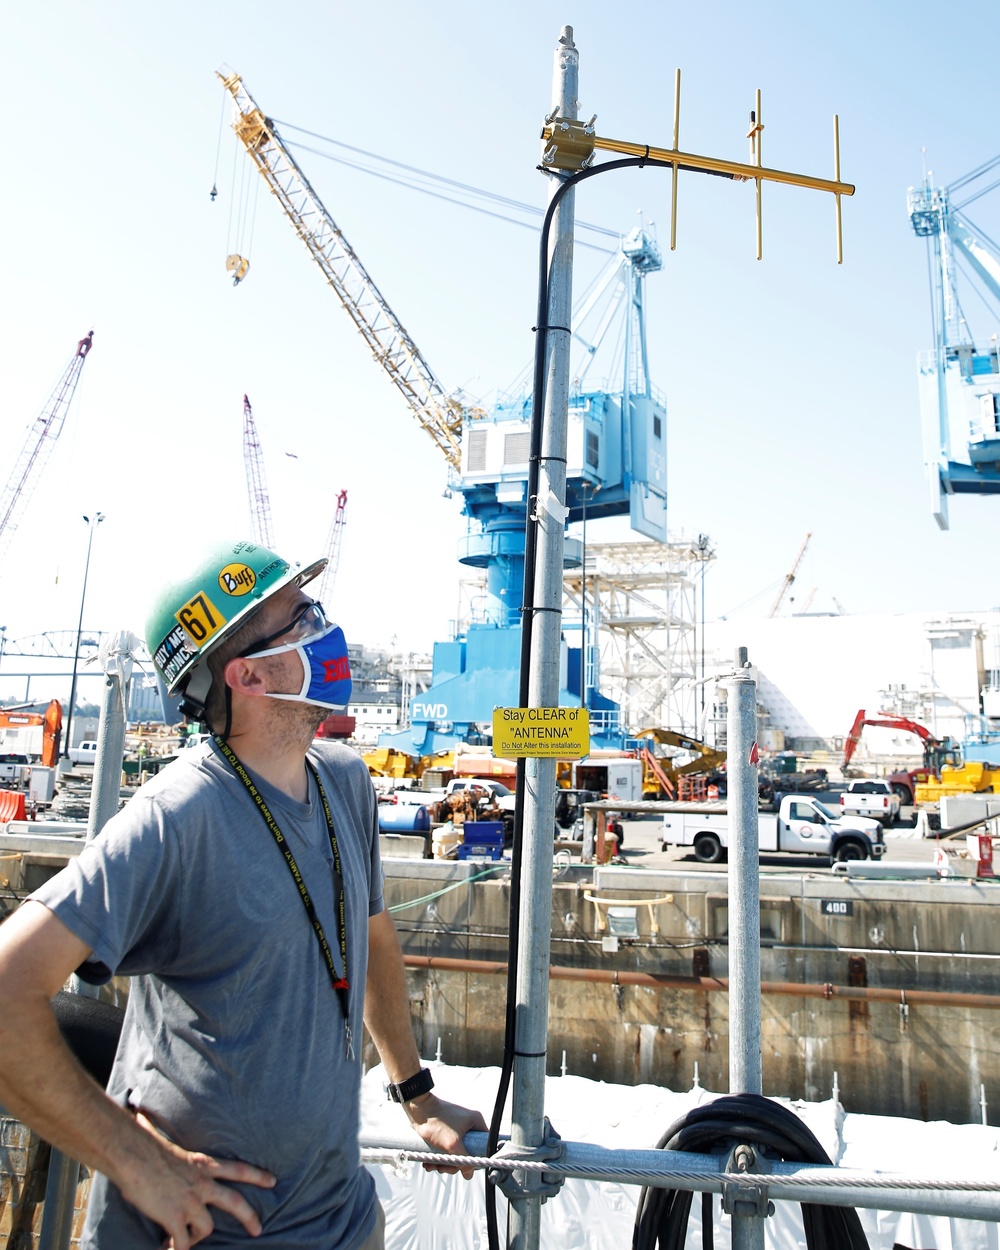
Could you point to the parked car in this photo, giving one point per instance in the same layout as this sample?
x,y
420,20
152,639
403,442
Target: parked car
x,y
870,797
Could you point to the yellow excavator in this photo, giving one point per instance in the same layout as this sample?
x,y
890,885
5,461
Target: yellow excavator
x,y
659,775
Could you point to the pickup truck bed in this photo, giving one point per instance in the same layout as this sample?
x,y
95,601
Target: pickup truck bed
x,y
871,797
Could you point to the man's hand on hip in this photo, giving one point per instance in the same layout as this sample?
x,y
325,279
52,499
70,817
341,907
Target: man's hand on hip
x,y
176,1188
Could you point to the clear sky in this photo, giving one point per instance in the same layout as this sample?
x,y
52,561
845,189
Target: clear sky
x,y
791,383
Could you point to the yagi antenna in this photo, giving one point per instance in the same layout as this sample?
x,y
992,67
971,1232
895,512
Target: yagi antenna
x,y
572,145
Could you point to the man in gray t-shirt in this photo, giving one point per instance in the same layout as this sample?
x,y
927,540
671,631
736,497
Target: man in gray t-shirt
x,y
241,890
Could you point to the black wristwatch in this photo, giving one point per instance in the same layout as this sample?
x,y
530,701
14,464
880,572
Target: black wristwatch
x,y
412,1087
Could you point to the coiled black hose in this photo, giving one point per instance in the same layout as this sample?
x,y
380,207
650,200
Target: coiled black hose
x,y
662,1216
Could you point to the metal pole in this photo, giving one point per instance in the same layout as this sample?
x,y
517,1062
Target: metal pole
x,y
93,524
528,1102
105,790
703,558
585,652
60,1196
745,1062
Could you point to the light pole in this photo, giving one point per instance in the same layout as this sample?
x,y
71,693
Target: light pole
x,y
93,523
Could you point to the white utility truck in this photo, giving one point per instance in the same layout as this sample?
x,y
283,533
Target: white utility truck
x,y
802,825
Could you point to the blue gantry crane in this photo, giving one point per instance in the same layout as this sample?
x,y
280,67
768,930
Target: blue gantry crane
x,y
616,466
616,456
959,378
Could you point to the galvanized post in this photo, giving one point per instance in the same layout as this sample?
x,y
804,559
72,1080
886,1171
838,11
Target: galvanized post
x,y
106,788
528,1102
64,1172
60,1197
745,1062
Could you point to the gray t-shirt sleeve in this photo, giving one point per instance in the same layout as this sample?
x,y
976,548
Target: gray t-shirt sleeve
x,y
123,894
376,900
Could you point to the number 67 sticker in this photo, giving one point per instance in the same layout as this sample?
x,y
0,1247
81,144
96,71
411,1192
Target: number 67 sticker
x,y
199,618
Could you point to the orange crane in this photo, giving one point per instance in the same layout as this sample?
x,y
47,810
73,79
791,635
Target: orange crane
x,y
38,445
20,723
260,505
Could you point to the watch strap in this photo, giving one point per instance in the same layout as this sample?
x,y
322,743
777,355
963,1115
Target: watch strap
x,y
412,1087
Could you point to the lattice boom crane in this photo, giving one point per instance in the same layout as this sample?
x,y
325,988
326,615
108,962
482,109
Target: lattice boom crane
x,y
38,445
260,504
333,541
790,577
439,413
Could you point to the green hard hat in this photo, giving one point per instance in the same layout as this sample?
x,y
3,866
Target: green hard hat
x,y
193,615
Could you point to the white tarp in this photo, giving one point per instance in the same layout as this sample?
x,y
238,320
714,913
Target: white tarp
x,y
428,1211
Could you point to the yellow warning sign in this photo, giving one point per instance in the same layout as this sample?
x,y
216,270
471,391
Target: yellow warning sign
x,y
545,732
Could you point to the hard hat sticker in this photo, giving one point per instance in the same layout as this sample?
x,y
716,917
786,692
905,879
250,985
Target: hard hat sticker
x,y
237,579
200,619
173,653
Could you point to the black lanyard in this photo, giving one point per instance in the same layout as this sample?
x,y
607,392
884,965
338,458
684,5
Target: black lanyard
x,y
340,984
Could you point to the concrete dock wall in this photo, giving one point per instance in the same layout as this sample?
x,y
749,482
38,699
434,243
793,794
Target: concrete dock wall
x,y
900,982
894,986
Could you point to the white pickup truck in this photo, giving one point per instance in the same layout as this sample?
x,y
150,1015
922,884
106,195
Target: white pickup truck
x,y
802,825
84,752
12,768
877,799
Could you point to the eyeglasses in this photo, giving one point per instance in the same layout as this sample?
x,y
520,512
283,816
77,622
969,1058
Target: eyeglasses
x,y
309,621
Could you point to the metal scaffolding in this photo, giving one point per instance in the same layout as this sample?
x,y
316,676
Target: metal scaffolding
x,y
641,606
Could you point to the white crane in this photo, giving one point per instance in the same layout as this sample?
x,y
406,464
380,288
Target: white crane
x,y
959,378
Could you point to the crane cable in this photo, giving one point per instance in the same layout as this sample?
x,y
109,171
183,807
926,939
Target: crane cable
x,y
238,245
450,183
218,151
